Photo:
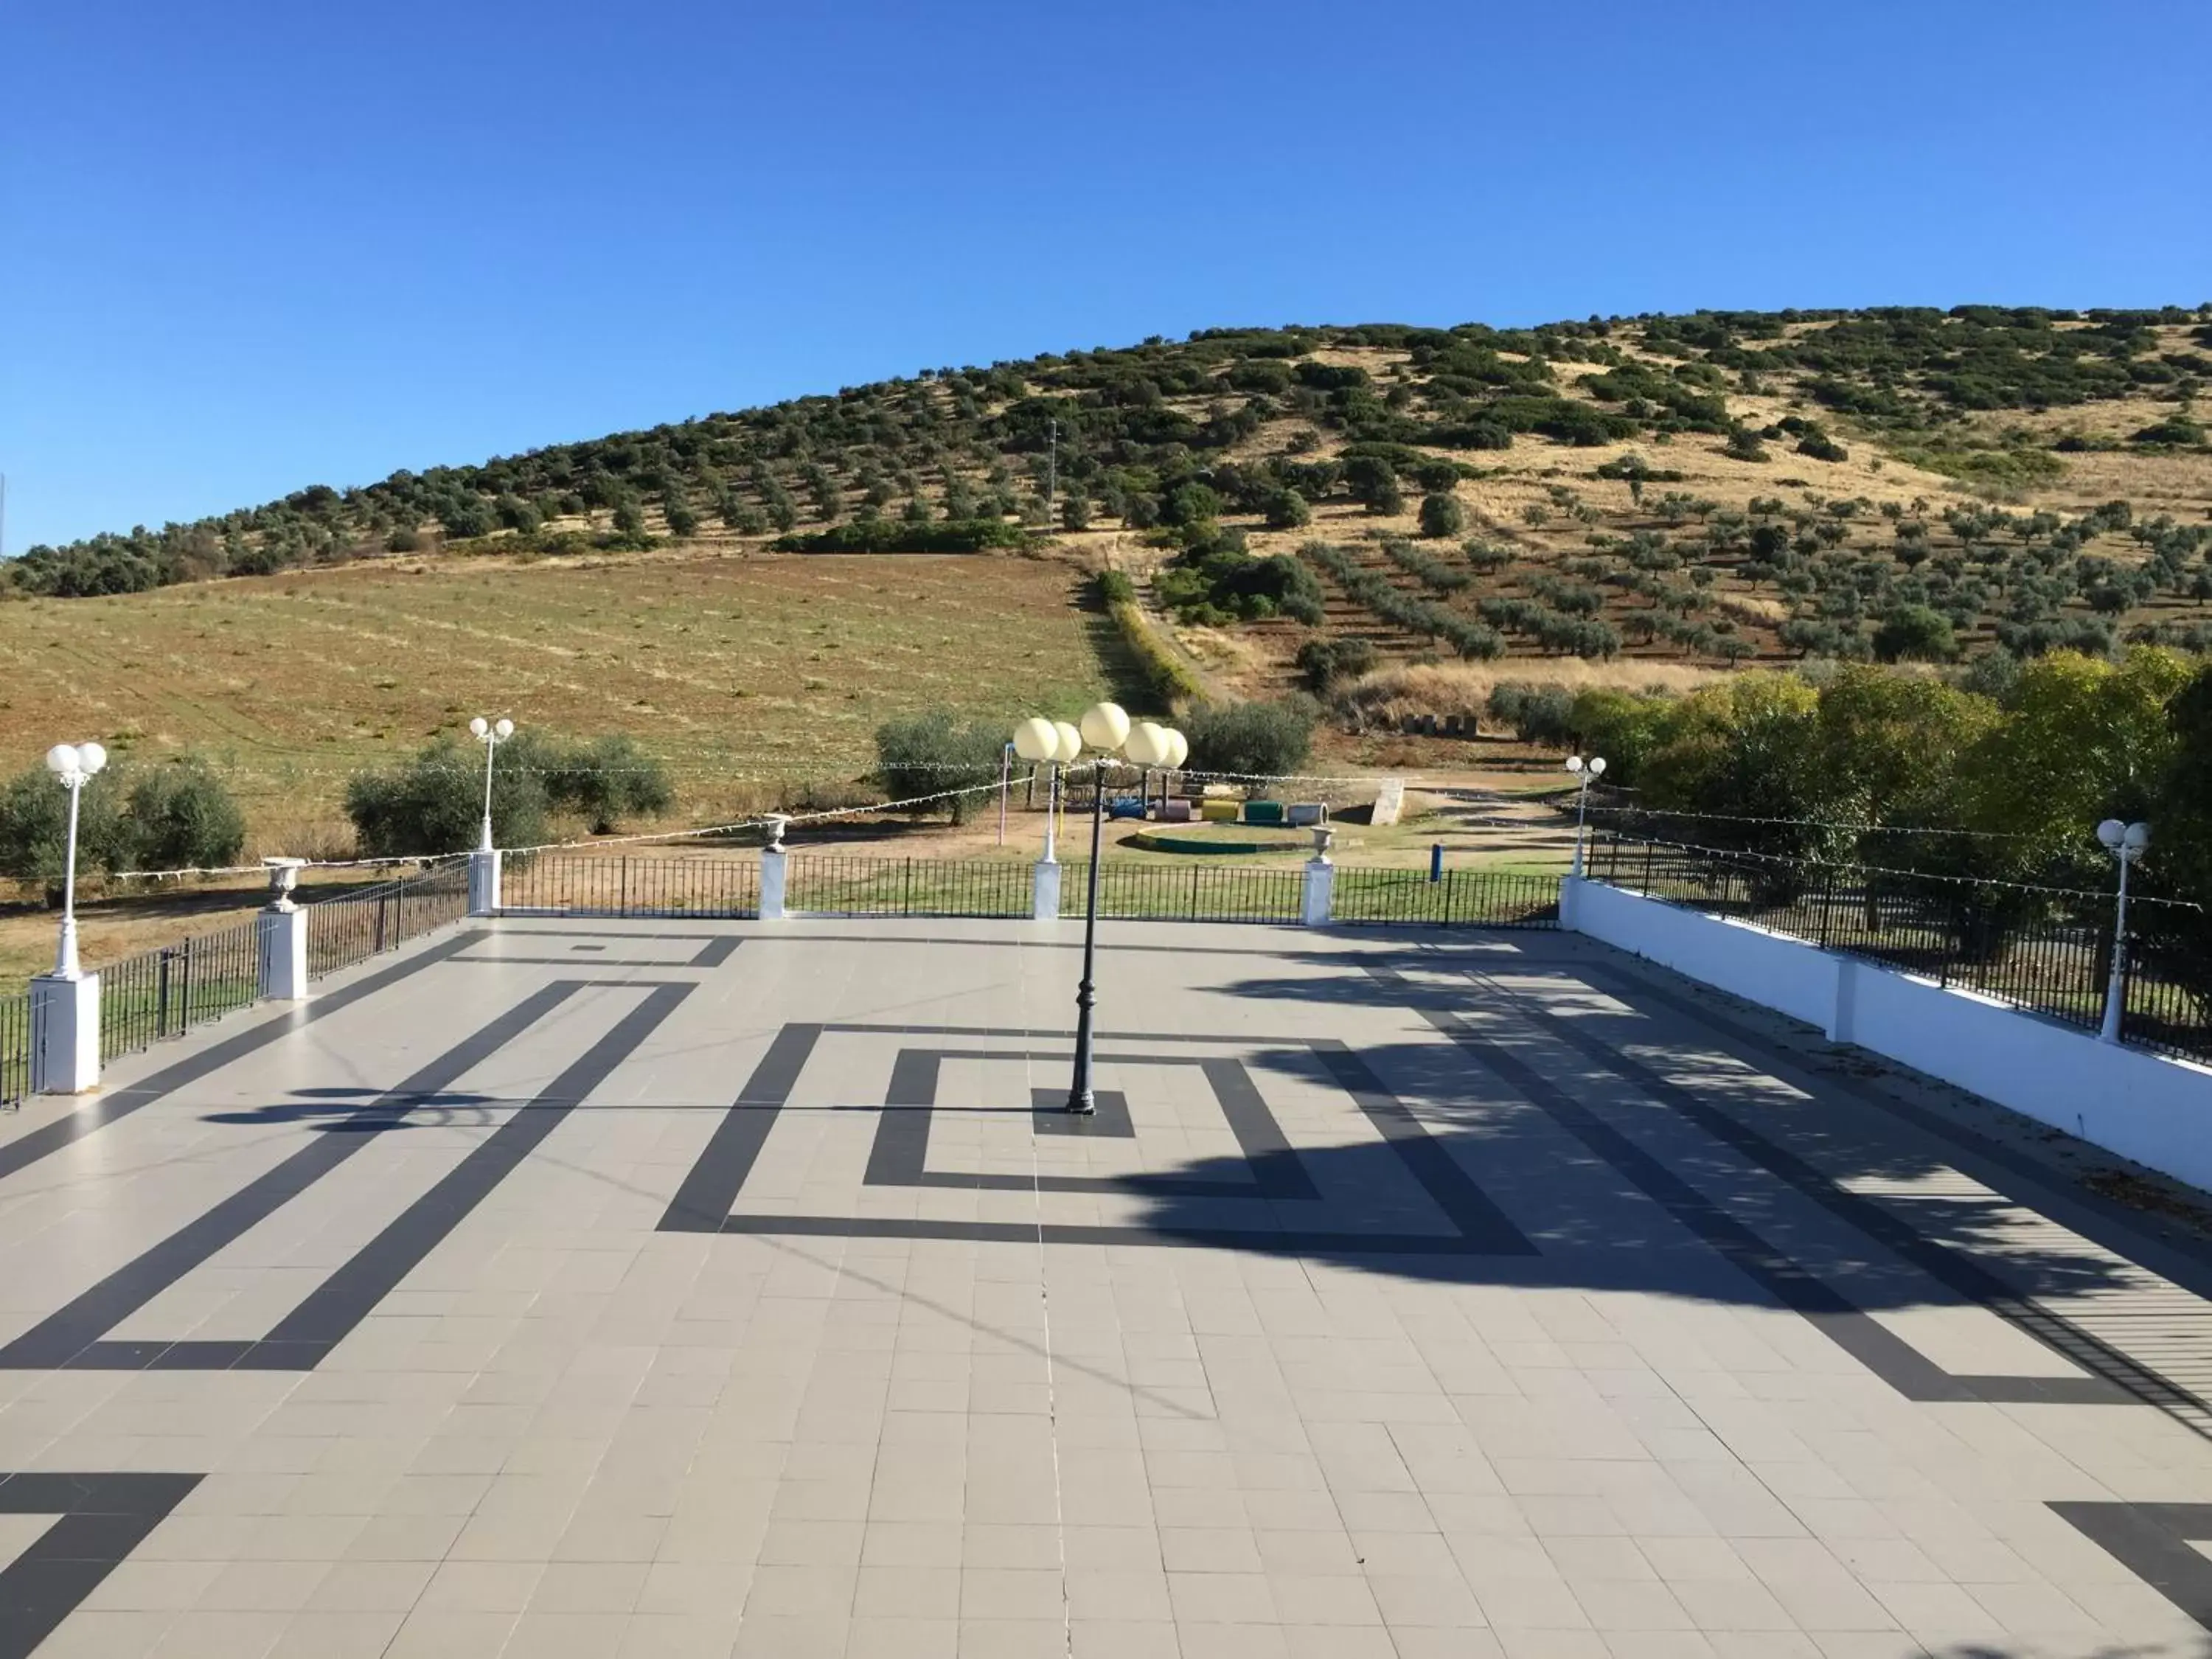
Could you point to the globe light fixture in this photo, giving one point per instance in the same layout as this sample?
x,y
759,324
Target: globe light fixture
x,y
2127,842
490,734
1037,740
73,765
1586,772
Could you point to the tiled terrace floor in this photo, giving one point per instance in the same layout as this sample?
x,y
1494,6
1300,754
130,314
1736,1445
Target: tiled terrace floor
x,y
578,1288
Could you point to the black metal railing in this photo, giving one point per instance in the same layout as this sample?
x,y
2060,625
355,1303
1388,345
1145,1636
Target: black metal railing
x,y
612,885
1456,898
15,1047
2046,949
354,926
1160,892
837,884
166,992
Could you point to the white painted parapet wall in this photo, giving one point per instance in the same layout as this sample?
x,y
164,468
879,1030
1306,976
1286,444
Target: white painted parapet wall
x,y
2143,1106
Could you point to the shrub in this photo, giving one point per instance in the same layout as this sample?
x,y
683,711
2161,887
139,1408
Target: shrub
x,y
1370,479
516,514
1442,515
1743,445
876,536
1166,682
1914,632
1821,448
607,780
1216,580
934,752
1539,714
434,803
1259,740
467,515
1285,509
404,539
182,818
1327,663
34,829
682,520
2174,430
1114,587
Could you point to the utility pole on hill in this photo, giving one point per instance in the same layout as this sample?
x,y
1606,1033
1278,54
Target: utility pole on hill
x,y
1051,474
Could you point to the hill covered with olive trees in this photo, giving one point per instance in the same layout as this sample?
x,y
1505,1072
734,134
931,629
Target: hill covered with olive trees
x,y
1316,503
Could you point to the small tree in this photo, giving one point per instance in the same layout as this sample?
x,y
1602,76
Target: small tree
x,y
1327,664
1256,740
1915,633
34,829
682,520
607,780
182,818
434,803
930,753
1442,515
1285,509
1743,445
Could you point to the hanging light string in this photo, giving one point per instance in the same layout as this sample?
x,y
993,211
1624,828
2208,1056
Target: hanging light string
x,y
1726,853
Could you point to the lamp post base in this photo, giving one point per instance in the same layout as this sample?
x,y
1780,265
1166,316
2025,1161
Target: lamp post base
x,y
64,1034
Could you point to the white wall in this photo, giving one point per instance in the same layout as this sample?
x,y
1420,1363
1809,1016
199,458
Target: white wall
x,y
1782,973
2141,1105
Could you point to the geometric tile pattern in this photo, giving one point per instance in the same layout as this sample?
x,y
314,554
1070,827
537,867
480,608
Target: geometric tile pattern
x,y
741,1290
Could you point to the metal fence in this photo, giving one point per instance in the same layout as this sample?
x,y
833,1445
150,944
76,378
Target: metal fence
x,y
2047,951
825,883
569,884
1456,898
834,884
166,992
15,1047
1160,892
357,926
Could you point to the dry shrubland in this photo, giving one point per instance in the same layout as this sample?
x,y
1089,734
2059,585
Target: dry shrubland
x,y
1387,696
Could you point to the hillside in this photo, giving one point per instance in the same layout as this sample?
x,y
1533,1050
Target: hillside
x,y
1727,474
1647,500
755,682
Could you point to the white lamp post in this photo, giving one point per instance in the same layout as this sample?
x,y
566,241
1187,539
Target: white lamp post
x,y
1038,741
2127,842
75,765
1587,772
490,734
1071,745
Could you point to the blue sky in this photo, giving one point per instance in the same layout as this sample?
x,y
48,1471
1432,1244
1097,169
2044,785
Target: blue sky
x,y
252,247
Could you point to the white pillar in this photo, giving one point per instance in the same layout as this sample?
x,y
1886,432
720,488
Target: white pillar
x,y
64,1034
771,888
281,932
1843,1023
484,883
1313,899
1570,889
1044,890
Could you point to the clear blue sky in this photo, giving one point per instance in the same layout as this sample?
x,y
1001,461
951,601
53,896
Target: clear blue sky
x,y
249,246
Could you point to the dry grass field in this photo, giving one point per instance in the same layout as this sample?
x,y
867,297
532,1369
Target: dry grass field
x,y
744,674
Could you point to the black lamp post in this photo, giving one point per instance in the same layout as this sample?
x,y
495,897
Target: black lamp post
x,y
1106,731
1080,1099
